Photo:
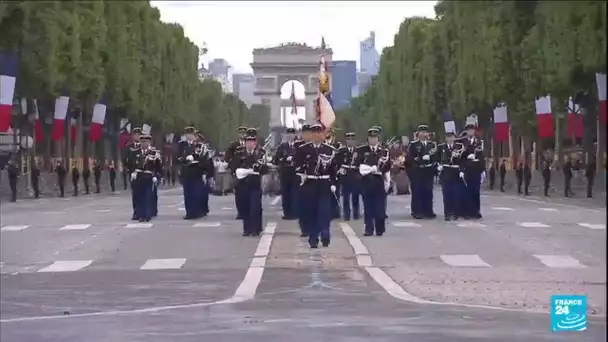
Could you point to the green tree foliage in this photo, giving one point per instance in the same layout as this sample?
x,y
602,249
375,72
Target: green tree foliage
x,y
476,54
145,68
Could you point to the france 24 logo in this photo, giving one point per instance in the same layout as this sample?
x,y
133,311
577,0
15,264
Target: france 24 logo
x,y
568,313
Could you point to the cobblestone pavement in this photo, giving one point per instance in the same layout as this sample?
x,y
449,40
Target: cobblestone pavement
x,y
78,270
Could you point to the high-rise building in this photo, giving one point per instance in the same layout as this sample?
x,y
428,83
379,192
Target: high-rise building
x,y
369,58
364,80
219,67
244,86
343,82
237,79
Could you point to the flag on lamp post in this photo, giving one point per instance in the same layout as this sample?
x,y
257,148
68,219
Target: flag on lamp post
x,y
61,112
9,65
501,123
544,116
600,80
99,116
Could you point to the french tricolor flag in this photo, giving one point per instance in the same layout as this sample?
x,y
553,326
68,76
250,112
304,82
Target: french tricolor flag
x,y
8,77
544,116
575,120
600,80
501,123
448,122
38,132
99,116
61,112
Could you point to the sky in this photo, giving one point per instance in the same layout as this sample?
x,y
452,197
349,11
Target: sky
x,y
232,29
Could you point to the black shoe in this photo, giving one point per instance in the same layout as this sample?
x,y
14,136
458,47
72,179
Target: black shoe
x,y
431,216
355,218
141,220
325,242
367,234
188,217
256,234
379,233
448,218
284,217
303,235
148,220
314,246
478,216
454,217
134,217
246,234
238,217
346,219
417,217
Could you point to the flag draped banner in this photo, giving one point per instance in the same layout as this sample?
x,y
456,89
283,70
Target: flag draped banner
x,y
501,123
575,120
600,80
325,112
99,116
544,116
448,121
9,65
294,103
61,112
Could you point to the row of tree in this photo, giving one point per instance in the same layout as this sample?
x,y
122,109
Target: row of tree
x,y
146,69
477,54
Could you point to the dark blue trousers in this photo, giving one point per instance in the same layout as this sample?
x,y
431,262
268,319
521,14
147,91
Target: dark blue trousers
x,y
192,188
155,201
471,194
239,198
350,196
303,204
425,183
204,196
289,193
451,190
144,194
252,208
318,210
133,197
374,204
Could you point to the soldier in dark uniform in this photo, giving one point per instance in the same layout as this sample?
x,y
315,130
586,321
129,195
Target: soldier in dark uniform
x,y
86,175
492,174
473,173
519,176
590,175
13,178
112,175
35,173
502,172
527,177
61,174
191,172
306,137
374,164
290,182
144,179
158,174
449,167
546,177
127,162
330,139
208,173
567,169
97,176
349,178
75,178
249,163
419,157
230,151
315,162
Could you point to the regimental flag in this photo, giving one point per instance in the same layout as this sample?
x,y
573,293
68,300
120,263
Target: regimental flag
x,y
600,80
501,123
99,116
38,131
449,125
575,120
73,125
61,112
9,65
294,102
146,129
544,116
325,112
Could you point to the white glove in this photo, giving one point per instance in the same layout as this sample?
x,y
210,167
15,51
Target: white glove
x,y
426,157
211,182
242,173
154,180
365,170
133,176
374,169
483,177
302,179
439,168
471,156
204,177
333,188
289,158
190,158
461,175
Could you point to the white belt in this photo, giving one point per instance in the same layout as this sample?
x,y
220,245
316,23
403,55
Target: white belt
x,y
144,171
426,165
349,167
451,166
317,177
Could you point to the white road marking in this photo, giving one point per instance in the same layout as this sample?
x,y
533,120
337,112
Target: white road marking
x,y
464,260
596,226
206,224
405,224
353,239
470,225
75,227
559,261
13,228
163,264
139,225
66,266
548,209
181,209
227,208
104,210
275,200
502,208
532,225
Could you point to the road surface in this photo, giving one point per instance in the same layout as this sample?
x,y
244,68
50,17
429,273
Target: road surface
x,y
77,269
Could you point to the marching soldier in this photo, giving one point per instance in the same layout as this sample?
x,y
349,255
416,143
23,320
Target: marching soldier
x,y
590,175
75,179
374,165
449,168
189,155
127,162
306,137
208,173
330,139
61,174
315,162
158,174
144,179
290,182
472,172
86,175
13,177
527,177
230,151
249,163
568,174
422,174
519,176
503,174
546,177
97,176
112,174
35,173
349,178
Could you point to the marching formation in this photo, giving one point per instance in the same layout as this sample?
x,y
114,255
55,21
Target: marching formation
x,y
320,179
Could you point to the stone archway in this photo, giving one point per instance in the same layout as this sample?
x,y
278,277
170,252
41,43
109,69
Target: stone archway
x,y
275,66
288,118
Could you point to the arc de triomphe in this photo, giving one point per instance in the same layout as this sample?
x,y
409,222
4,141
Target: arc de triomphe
x,y
273,67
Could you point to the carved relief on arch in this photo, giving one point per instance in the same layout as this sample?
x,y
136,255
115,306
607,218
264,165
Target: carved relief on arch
x,y
265,82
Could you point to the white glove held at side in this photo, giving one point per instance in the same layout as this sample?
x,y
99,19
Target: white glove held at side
x,y
461,175
190,158
133,175
426,157
289,158
471,156
439,168
333,188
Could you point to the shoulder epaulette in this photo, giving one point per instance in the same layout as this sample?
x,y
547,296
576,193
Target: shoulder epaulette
x,y
306,143
326,144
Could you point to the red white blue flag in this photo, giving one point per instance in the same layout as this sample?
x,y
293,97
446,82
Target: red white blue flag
x,y
9,65
325,112
99,116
